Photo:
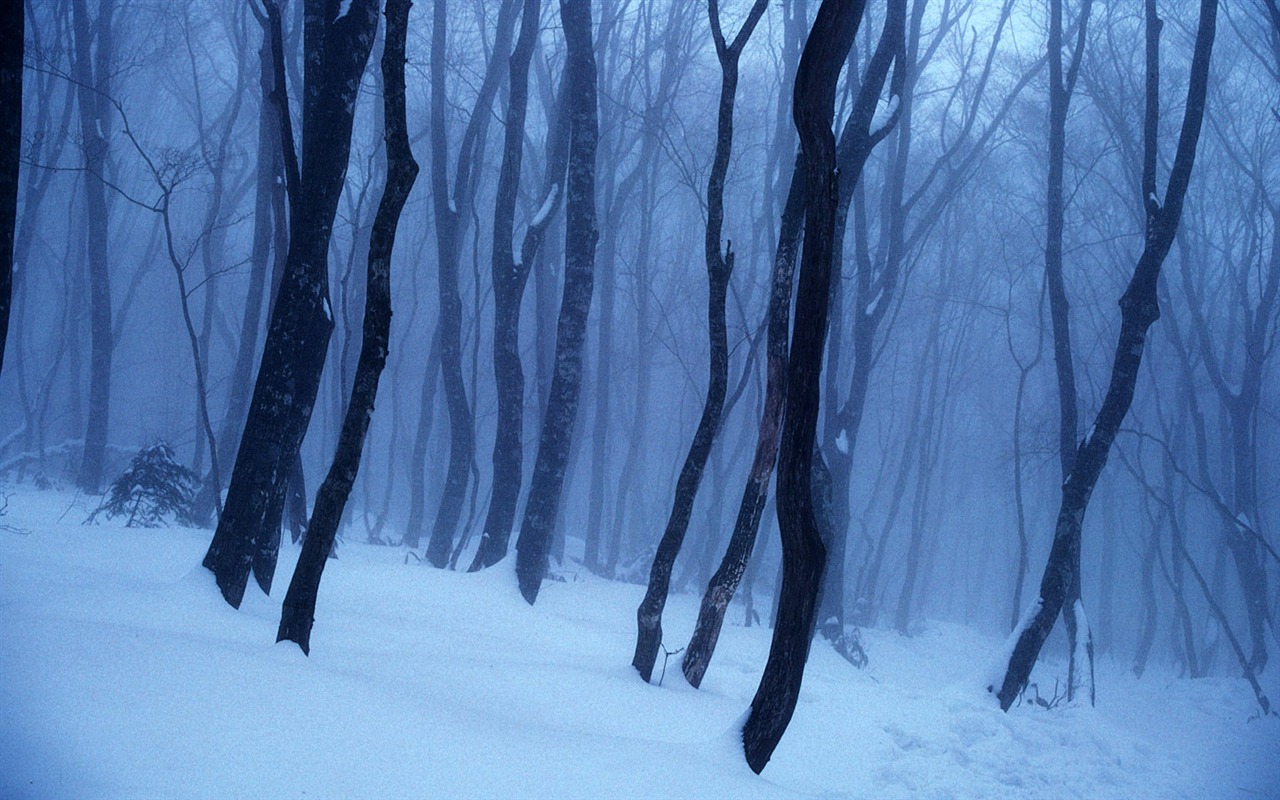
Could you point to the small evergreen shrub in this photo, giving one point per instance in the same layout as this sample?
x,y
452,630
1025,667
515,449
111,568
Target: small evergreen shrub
x,y
153,489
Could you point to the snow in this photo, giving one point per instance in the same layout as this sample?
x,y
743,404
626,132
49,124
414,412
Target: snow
x,y
874,304
842,441
545,208
126,676
343,9
1084,638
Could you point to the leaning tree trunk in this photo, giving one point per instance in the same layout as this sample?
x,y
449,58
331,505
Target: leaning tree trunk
x,y
715,601
336,51
12,35
509,280
91,68
724,582
300,601
1139,308
1060,89
803,555
719,270
579,261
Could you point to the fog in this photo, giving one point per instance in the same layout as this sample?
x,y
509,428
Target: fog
x,y
940,407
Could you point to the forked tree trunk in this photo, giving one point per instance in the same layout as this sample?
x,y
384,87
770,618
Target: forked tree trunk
x,y
579,262
735,563
719,270
1139,308
1060,89
452,206
336,51
300,601
803,554
509,280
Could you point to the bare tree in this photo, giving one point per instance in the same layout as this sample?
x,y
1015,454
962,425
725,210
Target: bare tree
x,y
1139,308
91,67
803,553
719,270
300,601
509,279
547,481
336,49
452,207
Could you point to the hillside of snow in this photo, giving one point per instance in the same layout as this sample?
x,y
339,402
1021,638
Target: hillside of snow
x,y
124,675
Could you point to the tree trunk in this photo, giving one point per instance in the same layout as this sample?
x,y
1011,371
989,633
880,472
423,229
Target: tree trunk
x,y
300,601
804,556
579,261
12,38
337,50
509,280
269,182
421,439
91,68
1139,308
873,299
719,270
452,207
723,584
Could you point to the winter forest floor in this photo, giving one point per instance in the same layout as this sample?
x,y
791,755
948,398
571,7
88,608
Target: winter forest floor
x,y
124,675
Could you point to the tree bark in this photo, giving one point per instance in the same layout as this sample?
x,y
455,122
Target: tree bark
x,y
580,239
1139,308
300,601
269,182
452,207
509,280
804,556
12,39
336,51
90,68
723,584
719,270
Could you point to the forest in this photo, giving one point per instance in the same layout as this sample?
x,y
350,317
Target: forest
x,y
908,357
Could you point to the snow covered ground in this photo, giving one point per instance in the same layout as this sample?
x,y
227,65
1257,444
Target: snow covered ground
x,y
124,675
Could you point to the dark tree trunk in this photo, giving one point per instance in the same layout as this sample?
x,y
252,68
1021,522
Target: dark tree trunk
x,y
804,556
269,182
719,269
91,68
12,38
452,207
579,261
300,601
336,51
509,280
723,584
733,566
1139,308
874,297
1060,89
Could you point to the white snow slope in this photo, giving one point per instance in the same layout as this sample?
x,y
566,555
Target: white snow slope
x,y
124,675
